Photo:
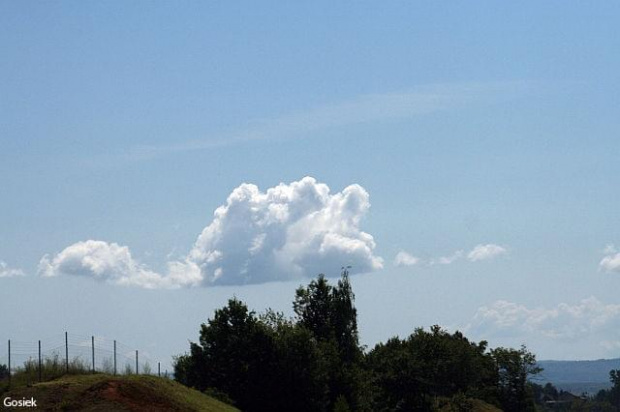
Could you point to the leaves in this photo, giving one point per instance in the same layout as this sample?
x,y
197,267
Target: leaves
x,y
314,362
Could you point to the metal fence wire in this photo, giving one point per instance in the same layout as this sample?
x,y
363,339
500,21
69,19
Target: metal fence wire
x,y
70,353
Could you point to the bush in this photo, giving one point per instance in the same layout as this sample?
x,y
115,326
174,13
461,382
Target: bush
x,y
341,404
460,403
4,372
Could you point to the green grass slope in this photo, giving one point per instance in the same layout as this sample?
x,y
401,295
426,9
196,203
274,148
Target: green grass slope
x,y
465,404
103,393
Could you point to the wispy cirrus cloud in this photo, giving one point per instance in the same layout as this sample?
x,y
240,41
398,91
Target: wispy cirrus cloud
x,y
369,108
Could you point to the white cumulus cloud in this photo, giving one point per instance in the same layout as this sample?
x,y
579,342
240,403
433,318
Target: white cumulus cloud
x,y
447,260
7,272
478,253
405,259
112,263
485,252
611,262
290,231
579,320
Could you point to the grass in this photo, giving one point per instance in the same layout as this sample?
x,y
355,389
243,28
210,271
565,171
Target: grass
x,y
52,367
101,392
77,388
459,403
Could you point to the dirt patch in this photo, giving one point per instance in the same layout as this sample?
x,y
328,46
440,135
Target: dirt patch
x,y
127,396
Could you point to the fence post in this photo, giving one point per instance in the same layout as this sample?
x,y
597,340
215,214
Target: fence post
x,y
67,351
115,357
159,369
39,360
9,362
137,362
93,345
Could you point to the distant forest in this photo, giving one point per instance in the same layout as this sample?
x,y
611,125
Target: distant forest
x,y
314,362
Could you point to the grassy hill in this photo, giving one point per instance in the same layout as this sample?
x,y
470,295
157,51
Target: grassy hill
x,y
138,393
94,393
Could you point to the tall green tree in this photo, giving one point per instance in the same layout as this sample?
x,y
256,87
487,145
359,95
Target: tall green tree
x,y
314,308
409,374
299,373
614,392
514,367
262,363
397,381
231,356
329,313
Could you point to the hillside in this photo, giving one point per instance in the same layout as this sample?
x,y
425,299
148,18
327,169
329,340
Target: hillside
x,y
471,405
94,393
579,376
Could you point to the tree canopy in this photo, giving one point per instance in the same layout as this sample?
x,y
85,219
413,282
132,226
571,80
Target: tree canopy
x,y
314,362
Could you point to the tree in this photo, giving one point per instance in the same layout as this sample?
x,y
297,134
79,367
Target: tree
x,y
4,371
409,374
614,392
341,405
328,312
314,308
234,350
513,370
543,394
299,373
396,377
450,362
345,320
314,362
264,363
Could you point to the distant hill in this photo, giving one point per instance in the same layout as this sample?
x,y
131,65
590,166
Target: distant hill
x,y
94,393
578,376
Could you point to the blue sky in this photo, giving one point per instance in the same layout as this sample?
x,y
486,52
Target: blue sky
x,y
460,125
